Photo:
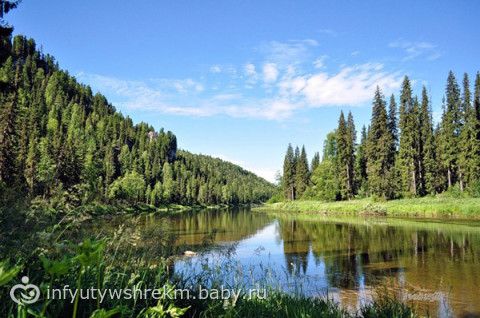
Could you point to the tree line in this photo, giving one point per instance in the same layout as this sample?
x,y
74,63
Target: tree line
x,y
402,152
61,143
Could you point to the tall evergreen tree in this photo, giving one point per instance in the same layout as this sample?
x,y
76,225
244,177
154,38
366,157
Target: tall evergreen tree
x,y
393,127
450,130
469,158
361,163
378,147
302,174
408,149
315,162
428,146
288,180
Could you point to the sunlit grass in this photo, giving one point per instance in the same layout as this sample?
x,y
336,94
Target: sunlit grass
x,y
416,207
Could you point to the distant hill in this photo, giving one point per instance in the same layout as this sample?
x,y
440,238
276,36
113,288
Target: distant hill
x,y
59,141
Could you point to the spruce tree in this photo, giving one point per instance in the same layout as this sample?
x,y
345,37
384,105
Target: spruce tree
x,y
361,164
342,148
288,180
315,162
428,146
469,159
407,163
302,175
378,147
450,130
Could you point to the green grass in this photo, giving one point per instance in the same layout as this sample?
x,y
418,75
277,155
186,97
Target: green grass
x,y
415,207
89,264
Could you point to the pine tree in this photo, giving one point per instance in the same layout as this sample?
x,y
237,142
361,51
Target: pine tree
x,y
475,117
302,174
361,164
342,136
450,130
315,162
346,155
428,146
289,174
393,128
408,157
378,147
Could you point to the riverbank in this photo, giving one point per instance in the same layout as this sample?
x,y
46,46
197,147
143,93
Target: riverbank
x,y
116,208
440,207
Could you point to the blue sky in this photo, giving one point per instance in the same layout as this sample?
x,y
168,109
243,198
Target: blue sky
x,y
241,79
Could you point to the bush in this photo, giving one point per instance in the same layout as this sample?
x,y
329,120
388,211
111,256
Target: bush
x,y
130,187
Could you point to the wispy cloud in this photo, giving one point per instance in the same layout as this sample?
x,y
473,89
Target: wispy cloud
x,y
329,32
413,50
215,69
291,52
351,85
270,72
162,95
273,87
320,62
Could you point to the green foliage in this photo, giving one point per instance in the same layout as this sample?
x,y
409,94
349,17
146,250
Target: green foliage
x,y
325,181
7,273
387,306
131,187
63,144
346,156
378,149
288,180
401,156
302,173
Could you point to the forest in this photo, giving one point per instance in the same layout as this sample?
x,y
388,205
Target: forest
x,y
402,153
64,145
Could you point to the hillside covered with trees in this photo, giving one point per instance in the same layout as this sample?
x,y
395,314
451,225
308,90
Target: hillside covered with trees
x,y
402,153
63,144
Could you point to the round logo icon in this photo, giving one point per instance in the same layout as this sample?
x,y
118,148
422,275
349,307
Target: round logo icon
x,y
25,293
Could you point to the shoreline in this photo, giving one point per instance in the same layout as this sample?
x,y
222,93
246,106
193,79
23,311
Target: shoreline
x,y
426,207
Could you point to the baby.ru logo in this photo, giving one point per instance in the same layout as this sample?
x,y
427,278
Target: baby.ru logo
x,y
25,293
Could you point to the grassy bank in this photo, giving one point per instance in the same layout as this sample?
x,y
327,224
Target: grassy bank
x,y
118,263
91,264
415,207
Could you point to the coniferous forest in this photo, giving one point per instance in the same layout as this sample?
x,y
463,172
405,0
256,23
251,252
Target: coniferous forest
x,y
402,153
62,143
90,199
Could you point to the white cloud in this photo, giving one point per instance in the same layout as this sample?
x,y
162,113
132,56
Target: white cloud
x,y
286,53
320,62
271,91
414,50
289,92
270,72
250,70
162,95
215,69
352,85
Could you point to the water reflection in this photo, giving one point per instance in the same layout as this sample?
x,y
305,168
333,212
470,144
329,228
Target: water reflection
x,y
434,264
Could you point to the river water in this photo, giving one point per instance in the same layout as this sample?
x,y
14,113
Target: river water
x,y
432,264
